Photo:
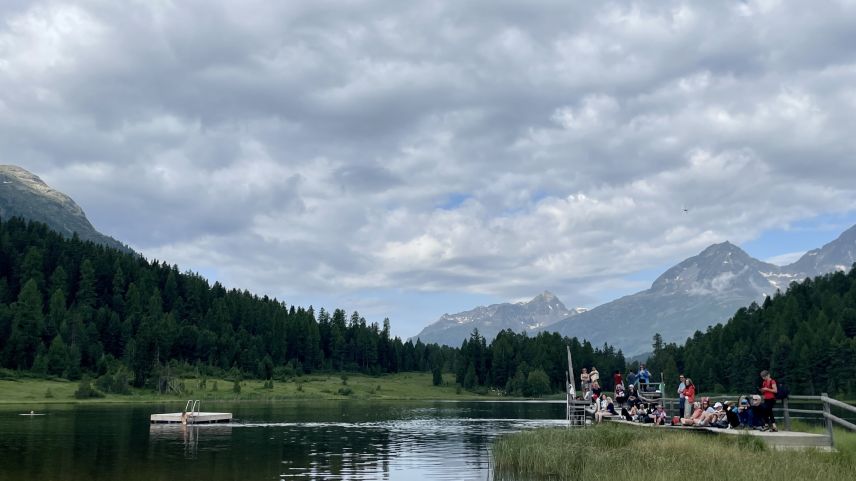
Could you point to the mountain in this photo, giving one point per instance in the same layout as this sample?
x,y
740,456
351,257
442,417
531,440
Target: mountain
x,y
23,194
700,291
542,311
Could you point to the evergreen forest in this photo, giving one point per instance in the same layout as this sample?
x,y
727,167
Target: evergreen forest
x,y
70,308
806,337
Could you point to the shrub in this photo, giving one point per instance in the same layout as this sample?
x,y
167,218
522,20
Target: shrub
x,y
49,394
345,391
86,391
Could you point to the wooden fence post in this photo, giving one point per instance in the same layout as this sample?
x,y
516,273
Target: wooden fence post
x,y
826,414
787,414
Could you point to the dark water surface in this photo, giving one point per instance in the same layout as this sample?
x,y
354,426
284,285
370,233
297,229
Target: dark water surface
x,y
344,440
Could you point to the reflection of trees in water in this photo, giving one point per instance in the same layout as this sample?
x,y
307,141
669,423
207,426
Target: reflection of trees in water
x,y
341,451
333,441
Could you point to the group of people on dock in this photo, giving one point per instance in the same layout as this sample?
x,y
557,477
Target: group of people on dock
x,y
641,401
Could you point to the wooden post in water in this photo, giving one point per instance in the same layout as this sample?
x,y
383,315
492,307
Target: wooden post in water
x,y
826,414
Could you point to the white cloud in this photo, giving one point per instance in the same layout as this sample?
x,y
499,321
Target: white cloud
x,y
313,149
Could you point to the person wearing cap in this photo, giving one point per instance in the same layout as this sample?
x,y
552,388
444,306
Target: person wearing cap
x,y
718,418
705,405
744,413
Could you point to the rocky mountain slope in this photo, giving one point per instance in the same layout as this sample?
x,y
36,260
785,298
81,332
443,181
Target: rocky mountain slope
x,y
542,311
23,194
700,291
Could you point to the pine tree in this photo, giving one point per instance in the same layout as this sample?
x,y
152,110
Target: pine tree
x,y
27,326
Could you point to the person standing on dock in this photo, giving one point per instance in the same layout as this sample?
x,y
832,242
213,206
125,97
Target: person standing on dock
x,y
769,388
617,380
689,397
681,399
585,381
644,377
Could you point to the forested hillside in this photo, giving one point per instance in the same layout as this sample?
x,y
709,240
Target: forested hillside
x,y
69,308
806,337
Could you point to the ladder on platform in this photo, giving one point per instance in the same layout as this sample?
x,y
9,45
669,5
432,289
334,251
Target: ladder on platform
x,y
191,410
576,409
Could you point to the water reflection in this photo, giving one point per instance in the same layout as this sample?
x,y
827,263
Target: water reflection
x,y
294,441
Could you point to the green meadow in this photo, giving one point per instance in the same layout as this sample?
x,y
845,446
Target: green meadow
x,y
405,386
612,451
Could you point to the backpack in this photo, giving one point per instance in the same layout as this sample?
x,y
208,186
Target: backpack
x,y
783,391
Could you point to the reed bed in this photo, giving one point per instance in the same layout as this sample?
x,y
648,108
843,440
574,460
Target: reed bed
x,y
610,452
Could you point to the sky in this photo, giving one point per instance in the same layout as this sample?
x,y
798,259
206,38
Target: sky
x,y
409,159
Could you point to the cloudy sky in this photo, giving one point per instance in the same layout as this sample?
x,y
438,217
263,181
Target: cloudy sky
x,y
407,159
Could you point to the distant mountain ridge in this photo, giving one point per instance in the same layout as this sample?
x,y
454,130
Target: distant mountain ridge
x,y
24,194
542,311
701,291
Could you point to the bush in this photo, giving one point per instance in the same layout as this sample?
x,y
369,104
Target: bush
x,y
236,387
86,391
117,383
538,383
437,376
344,379
49,394
345,391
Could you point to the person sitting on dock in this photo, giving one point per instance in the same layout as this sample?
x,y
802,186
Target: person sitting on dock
x,y
620,395
756,412
718,418
697,413
595,389
744,414
632,395
605,408
659,415
732,414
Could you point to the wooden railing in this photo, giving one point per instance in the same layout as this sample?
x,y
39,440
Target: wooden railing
x,y
786,411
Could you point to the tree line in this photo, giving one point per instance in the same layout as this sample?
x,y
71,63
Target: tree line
x,y
70,307
806,337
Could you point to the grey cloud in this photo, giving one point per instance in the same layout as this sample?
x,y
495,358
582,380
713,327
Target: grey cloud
x,y
306,146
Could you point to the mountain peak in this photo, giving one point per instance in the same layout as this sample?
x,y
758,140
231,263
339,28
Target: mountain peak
x,y
24,194
545,296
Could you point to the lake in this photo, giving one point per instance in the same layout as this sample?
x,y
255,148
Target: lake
x,y
286,440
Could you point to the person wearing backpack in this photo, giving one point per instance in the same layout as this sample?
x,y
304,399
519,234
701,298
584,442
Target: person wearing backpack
x,y
769,389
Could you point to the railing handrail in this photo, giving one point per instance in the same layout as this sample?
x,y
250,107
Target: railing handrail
x,y
839,421
838,404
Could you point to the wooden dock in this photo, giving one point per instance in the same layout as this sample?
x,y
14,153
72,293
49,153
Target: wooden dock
x,y
191,418
777,440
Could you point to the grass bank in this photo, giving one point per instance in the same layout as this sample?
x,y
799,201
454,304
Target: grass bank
x,y
405,386
613,451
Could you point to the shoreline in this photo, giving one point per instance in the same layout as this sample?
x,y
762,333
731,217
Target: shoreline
x,y
310,387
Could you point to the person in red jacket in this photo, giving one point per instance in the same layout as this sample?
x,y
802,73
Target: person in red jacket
x,y
769,388
689,396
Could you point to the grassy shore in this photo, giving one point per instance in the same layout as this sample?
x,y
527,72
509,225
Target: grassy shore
x,y
613,451
405,386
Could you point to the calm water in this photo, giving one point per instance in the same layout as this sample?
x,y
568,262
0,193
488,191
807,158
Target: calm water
x,y
345,440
